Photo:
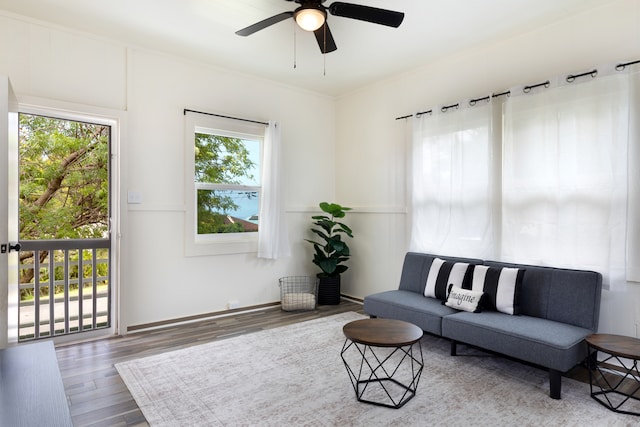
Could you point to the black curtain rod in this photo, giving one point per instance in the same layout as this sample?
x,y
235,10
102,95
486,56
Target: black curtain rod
x,y
472,102
444,109
621,67
570,79
527,89
186,110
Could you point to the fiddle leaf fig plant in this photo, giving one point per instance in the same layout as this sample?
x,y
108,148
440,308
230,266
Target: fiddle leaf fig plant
x,y
332,251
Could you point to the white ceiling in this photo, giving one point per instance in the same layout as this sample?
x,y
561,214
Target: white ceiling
x,y
205,30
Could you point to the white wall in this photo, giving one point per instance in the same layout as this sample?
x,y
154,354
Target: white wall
x,y
367,131
157,281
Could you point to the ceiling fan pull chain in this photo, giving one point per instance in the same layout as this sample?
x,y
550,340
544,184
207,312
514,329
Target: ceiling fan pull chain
x,y
294,46
324,54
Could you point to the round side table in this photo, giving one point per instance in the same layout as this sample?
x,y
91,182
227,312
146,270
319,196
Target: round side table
x,y
607,389
382,363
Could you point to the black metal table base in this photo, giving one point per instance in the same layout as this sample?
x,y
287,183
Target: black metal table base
x,y
607,391
373,372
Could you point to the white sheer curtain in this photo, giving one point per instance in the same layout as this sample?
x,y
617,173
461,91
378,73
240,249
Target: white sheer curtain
x,y
565,176
273,240
633,214
451,182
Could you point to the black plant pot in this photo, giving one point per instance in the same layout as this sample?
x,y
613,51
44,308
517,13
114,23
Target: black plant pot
x,y
329,290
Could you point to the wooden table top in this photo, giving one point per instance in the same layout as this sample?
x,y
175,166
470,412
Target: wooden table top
x,y
382,332
616,345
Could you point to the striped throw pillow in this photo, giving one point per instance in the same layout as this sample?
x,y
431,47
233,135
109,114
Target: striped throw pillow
x,y
501,287
442,274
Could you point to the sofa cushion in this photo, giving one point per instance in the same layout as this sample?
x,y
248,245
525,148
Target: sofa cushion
x,y
501,286
544,342
563,295
413,275
442,274
426,313
464,299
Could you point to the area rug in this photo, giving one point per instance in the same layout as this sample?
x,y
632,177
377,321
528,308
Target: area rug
x,y
294,376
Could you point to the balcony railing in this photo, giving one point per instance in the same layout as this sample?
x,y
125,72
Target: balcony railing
x,y
65,287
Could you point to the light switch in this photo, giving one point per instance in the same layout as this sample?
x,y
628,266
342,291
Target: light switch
x,y
134,197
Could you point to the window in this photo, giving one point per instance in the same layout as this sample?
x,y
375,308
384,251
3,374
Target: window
x,y
564,176
227,180
223,184
451,182
552,191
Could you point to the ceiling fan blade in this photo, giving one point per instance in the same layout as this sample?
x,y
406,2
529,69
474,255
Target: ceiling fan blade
x,y
325,39
389,18
264,24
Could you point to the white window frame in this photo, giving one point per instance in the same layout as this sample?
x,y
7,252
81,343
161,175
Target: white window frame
x,y
220,243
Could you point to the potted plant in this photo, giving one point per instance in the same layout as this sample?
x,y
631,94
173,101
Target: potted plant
x,y
331,252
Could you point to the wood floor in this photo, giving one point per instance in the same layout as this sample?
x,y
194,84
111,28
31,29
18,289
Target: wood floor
x,y
98,397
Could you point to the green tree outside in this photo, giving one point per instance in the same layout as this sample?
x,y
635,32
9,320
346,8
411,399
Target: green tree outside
x,y
64,190
64,182
221,160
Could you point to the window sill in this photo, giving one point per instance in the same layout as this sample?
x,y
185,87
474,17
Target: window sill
x,y
222,245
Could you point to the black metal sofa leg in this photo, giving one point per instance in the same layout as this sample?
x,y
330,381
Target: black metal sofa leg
x,y
454,348
555,384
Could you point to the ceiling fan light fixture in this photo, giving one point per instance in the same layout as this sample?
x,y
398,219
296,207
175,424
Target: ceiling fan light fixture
x,y
310,18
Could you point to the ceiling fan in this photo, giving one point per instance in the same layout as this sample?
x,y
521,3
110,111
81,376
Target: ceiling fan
x,y
312,16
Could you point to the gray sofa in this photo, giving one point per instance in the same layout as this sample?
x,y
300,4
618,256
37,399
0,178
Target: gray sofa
x,y
558,309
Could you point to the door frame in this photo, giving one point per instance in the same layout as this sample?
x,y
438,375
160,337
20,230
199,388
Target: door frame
x,y
8,260
117,121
